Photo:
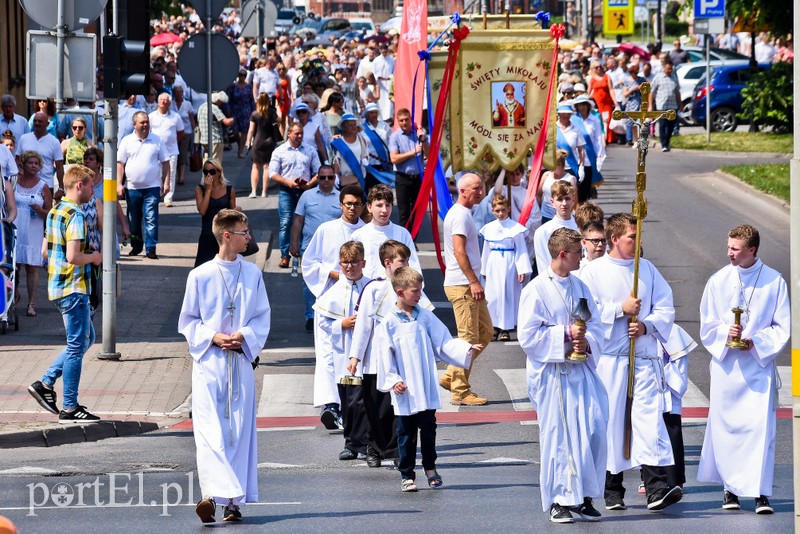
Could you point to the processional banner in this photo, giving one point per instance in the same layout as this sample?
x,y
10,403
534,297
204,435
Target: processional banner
x,y
499,97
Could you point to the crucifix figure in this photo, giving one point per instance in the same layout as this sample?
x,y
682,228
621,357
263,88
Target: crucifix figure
x,y
641,119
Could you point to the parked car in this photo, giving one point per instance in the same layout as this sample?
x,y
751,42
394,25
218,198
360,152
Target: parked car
x,y
688,74
364,26
322,28
725,89
698,53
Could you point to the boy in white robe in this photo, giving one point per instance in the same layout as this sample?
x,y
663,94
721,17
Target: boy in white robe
x,y
504,265
336,312
408,342
320,271
570,400
519,192
225,318
739,446
563,198
380,229
375,302
610,280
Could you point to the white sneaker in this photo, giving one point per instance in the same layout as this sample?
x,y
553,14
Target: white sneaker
x,y
252,195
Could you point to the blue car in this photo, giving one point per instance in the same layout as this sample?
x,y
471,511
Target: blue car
x,y
727,82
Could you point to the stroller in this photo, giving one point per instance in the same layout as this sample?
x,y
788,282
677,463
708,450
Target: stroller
x,y
8,273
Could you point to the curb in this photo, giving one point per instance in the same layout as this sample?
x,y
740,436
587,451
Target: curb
x,y
76,433
736,182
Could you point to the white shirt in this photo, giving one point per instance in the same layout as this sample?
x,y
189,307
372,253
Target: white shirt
x,y
459,222
142,160
48,148
166,126
266,80
183,111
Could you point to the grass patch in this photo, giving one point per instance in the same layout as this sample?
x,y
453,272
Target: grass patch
x,y
736,142
772,178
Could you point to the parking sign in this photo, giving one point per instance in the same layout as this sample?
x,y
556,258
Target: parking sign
x,y
704,9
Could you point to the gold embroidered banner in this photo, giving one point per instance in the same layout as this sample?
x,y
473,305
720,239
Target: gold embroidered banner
x,y
498,99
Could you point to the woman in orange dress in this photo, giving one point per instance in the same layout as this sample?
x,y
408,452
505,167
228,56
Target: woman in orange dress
x,y
601,89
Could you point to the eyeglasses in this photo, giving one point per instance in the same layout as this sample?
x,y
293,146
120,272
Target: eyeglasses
x,y
78,128
212,171
321,177
595,242
239,232
351,205
352,263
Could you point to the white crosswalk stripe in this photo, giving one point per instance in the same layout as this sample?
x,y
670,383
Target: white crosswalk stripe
x,y
291,395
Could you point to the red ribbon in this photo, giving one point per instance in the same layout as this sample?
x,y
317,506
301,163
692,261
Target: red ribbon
x,y
557,31
427,193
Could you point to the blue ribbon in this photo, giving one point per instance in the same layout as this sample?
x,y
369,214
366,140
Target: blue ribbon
x,y
577,120
380,148
561,142
341,147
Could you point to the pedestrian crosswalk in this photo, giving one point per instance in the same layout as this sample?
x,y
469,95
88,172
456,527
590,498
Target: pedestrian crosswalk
x,y
291,395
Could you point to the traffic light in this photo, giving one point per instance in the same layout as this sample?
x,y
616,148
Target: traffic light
x,y
126,67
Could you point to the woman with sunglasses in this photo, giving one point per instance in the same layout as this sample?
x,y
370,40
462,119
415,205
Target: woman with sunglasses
x,y
212,195
74,147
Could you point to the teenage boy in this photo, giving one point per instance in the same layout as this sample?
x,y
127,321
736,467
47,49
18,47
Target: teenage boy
x,y
569,398
739,446
379,205
408,342
69,256
563,199
320,271
375,303
336,309
609,280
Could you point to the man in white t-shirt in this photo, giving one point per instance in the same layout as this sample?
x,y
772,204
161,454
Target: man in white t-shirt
x,y
143,162
168,126
49,150
462,285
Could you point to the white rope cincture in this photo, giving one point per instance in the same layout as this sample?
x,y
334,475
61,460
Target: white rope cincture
x,y
233,392
572,472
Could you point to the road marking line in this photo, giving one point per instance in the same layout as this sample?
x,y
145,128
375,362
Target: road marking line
x,y
517,386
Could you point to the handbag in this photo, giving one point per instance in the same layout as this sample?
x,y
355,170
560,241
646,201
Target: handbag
x,y
252,245
196,158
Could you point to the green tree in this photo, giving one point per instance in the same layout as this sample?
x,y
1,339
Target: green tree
x,y
769,98
165,7
769,13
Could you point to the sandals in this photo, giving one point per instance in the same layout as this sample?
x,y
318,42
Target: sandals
x,y
504,336
31,312
408,486
434,480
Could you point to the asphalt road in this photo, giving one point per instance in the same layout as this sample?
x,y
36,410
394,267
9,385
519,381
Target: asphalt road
x,y
490,469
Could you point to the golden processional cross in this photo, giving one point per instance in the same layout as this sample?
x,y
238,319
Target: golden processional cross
x,y
642,119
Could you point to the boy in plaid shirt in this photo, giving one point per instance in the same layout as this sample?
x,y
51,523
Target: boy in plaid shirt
x,y
68,272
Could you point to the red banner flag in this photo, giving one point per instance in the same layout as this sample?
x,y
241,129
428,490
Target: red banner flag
x,y
413,38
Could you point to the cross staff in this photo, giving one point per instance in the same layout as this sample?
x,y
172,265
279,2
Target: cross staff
x,y
642,119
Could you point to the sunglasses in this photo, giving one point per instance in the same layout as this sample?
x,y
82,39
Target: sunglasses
x,y
321,177
212,171
78,128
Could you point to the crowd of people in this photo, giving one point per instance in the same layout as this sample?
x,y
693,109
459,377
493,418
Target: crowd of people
x,y
318,124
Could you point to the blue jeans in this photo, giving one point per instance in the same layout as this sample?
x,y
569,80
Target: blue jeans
x,y
665,129
407,428
143,205
74,310
287,202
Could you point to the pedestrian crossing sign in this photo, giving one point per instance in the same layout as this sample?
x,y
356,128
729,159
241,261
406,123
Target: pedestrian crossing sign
x,y
617,19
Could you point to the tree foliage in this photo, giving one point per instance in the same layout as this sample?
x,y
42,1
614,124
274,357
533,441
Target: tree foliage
x,y
165,7
770,99
773,14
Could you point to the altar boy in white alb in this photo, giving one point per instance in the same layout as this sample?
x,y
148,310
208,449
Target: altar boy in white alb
x,y
569,397
610,280
739,447
225,318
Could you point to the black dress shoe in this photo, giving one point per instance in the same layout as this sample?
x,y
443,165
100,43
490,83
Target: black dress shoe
x,y
152,254
347,454
135,252
373,458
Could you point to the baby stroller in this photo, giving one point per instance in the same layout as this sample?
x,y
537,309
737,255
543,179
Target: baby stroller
x,y
8,273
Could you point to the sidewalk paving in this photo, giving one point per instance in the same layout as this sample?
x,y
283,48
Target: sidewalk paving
x,y
150,386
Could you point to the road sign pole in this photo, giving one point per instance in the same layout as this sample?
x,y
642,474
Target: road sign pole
x,y
209,102
260,22
708,88
61,34
110,200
